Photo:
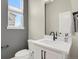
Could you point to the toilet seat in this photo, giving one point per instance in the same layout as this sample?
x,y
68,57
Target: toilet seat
x,y
23,52
21,57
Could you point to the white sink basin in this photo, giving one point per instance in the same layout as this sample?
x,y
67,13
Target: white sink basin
x,y
53,43
56,45
47,41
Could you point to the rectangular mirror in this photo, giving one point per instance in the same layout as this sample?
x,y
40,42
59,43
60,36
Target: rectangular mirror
x,y
15,14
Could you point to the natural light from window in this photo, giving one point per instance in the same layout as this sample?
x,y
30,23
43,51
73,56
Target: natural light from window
x,y
15,14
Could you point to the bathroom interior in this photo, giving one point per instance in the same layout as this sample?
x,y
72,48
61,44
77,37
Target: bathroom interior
x,y
39,29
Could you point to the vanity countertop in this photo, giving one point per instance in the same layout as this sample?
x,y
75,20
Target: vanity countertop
x,y
59,46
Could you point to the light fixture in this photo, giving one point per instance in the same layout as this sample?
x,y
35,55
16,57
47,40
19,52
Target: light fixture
x,y
51,0
47,1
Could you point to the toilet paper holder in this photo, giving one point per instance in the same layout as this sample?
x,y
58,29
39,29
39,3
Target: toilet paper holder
x,y
4,46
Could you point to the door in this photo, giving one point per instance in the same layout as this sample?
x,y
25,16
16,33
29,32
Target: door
x,y
52,55
36,49
38,53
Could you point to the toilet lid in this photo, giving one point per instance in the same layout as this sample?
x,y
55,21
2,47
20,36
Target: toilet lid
x,y
23,52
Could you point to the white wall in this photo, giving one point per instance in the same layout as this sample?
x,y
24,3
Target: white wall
x,y
36,19
52,14
74,48
74,4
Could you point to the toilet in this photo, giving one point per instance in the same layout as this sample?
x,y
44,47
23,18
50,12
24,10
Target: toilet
x,y
23,54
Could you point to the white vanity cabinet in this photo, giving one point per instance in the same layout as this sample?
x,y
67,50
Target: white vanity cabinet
x,y
41,52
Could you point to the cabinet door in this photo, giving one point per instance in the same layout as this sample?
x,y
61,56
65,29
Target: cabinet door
x,y
37,53
52,55
36,49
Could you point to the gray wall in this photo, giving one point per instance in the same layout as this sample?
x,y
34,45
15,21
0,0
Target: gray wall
x,y
52,14
36,9
16,38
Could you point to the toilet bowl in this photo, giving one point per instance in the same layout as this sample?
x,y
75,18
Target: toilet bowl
x,y
23,54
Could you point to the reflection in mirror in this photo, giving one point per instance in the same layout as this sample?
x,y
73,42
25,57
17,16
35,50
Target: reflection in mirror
x,y
75,16
15,14
52,11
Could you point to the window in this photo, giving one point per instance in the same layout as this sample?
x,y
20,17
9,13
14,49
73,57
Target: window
x,y
15,14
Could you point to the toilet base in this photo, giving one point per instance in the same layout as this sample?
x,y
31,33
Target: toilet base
x,y
23,57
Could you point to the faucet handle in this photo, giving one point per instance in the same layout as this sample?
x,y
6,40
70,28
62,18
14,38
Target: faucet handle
x,y
66,34
56,33
51,33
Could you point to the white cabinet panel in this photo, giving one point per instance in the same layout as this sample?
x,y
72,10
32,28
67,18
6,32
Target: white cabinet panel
x,y
53,55
36,49
37,53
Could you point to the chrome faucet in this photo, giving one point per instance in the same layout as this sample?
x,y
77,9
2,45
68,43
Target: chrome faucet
x,y
53,35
